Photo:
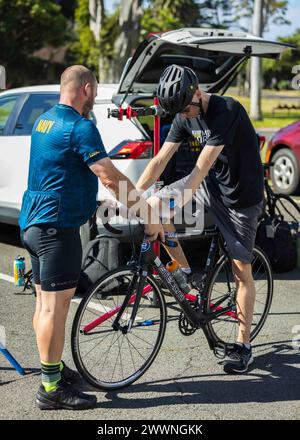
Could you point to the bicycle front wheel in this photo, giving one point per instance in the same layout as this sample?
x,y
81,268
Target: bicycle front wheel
x,y
110,358
222,290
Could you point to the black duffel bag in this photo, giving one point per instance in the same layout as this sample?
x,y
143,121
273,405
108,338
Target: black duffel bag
x,y
100,256
278,238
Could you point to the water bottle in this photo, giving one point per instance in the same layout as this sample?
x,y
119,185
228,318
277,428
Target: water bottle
x,y
19,271
179,276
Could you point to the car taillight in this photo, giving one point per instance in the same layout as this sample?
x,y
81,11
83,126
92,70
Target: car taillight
x,y
133,150
262,140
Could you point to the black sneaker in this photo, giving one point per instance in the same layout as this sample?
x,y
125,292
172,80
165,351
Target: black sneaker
x,y
70,376
238,359
64,397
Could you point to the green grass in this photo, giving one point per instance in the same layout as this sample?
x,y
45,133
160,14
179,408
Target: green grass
x,y
272,119
270,99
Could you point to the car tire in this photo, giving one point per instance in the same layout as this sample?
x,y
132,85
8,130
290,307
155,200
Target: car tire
x,y
285,173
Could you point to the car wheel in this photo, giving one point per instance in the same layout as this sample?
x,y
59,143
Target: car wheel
x,y
285,172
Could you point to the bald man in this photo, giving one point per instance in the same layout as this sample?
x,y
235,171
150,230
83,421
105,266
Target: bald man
x,y
66,159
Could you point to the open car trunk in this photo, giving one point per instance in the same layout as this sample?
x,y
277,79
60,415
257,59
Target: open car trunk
x,y
215,55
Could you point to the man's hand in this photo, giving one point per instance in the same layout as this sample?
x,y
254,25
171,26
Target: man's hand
x,y
154,230
110,208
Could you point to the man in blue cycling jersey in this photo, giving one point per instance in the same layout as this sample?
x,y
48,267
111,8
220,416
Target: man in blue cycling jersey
x,y
66,159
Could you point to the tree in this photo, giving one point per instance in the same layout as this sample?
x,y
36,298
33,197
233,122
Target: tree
x,y
217,13
97,14
139,18
255,81
84,49
280,71
25,26
130,16
97,21
273,11
67,8
105,41
164,15
121,31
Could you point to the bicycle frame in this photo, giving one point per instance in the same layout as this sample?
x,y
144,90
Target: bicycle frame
x,y
199,318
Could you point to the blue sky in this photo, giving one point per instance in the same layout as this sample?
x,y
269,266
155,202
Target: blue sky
x,y
293,15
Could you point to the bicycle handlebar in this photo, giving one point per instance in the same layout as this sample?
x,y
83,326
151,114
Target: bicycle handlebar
x,y
113,230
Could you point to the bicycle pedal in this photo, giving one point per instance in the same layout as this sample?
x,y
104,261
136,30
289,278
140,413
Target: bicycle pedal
x,y
220,351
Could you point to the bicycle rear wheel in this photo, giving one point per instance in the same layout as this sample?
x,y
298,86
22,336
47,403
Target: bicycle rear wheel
x,y
111,359
224,329
287,208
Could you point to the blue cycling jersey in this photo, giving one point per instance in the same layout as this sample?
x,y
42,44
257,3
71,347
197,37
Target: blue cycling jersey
x,y
62,189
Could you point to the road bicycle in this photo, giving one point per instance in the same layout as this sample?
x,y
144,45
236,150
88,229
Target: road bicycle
x,y
120,324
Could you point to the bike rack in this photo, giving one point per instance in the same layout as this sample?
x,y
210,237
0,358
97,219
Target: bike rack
x,y
136,112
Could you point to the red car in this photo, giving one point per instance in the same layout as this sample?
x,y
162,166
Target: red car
x,y
284,152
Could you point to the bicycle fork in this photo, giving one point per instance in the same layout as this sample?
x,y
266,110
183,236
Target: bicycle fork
x,y
142,275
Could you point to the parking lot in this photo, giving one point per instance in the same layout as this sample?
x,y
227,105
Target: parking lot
x,y
185,381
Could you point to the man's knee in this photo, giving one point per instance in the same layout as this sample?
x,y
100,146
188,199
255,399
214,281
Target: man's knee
x,y
57,302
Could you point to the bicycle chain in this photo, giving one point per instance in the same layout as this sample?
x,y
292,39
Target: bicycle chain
x,y
186,328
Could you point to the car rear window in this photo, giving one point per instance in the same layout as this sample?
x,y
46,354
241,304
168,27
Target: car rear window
x,y
34,106
7,105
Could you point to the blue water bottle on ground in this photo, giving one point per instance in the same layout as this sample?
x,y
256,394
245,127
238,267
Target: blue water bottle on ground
x,y
19,271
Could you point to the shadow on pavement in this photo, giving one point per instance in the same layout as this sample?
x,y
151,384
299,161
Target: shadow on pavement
x,y
276,380
291,275
28,372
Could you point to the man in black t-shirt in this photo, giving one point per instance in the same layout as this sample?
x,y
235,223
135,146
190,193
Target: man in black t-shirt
x,y
229,174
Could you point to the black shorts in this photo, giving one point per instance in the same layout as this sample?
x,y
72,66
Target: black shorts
x,y
56,256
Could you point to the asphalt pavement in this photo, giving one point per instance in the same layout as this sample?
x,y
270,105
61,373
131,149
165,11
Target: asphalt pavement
x,y
185,381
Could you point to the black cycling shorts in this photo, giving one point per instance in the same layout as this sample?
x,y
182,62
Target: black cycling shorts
x,y
56,256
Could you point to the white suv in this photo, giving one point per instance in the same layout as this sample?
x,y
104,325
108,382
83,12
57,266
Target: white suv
x,y
127,143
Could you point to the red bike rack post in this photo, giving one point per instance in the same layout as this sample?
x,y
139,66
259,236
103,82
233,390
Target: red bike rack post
x,y
131,112
156,147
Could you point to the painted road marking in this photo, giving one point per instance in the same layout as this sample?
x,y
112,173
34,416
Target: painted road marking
x,y
100,308
7,278
92,305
